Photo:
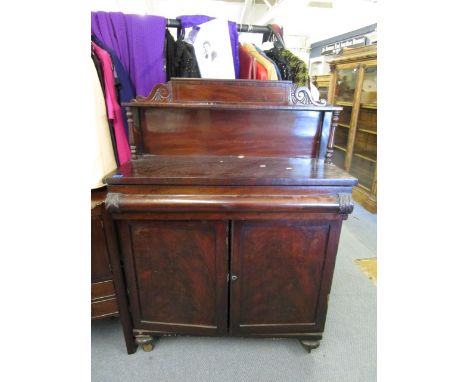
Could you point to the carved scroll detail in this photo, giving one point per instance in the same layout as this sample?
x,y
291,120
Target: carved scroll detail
x,y
346,204
160,93
331,139
302,95
113,201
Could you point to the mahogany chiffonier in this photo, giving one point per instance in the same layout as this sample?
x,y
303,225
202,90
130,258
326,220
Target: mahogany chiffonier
x,y
226,221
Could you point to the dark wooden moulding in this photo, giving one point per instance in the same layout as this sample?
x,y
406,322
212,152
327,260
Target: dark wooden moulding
x,y
227,219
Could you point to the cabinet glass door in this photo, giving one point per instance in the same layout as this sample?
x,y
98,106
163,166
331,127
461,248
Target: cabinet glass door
x,y
345,86
369,88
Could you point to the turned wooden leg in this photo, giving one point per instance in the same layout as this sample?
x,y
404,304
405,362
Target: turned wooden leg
x,y
145,340
310,344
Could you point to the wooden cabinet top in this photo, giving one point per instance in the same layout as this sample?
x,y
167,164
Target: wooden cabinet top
x,y
229,170
351,55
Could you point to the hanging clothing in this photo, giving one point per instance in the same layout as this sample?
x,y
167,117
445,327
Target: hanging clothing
x,y
169,53
190,21
113,107
248,64
102,153
97,65
261,73
185,62
281,63
138,42
271,71
122,81
299,72
269,59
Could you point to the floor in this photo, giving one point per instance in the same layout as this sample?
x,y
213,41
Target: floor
x,y
347,352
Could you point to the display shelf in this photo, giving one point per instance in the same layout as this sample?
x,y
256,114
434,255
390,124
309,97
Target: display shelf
x,y
345,117
344,103
339,157
341,138
363,170
367,131
339,148
369,106
364,187
365,157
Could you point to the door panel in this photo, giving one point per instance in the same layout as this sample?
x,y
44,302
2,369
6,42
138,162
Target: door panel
x,y
100,270
279,267
177,275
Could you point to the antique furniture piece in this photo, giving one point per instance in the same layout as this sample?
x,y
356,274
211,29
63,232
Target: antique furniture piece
x,y
228,218
353,85
103,298
322,83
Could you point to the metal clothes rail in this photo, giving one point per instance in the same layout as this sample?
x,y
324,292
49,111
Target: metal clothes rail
x,y
174,23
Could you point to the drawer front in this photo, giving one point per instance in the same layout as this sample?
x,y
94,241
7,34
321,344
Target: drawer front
x,y
281,275
104,308
102,289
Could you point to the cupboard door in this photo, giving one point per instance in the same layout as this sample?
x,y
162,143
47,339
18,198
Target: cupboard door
x,y
281,275
177,275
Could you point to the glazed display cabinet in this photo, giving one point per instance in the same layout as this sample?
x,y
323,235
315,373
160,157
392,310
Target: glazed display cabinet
x,y
353,86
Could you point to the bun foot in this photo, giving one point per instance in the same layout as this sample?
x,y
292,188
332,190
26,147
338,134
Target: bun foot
x,y
310,344
145,340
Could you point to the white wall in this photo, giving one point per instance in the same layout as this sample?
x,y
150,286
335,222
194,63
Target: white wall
x,y
322,23
171,8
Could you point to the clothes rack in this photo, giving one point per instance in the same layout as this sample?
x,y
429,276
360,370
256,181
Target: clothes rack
x,y
249,28
174,23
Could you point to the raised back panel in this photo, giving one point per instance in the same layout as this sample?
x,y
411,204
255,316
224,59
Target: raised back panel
x,y
271,133
228,91
231,117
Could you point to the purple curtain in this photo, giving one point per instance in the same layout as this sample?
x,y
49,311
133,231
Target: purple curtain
x,y
138,42
194,20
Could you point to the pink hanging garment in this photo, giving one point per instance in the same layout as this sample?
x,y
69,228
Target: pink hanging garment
x,y
113,108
